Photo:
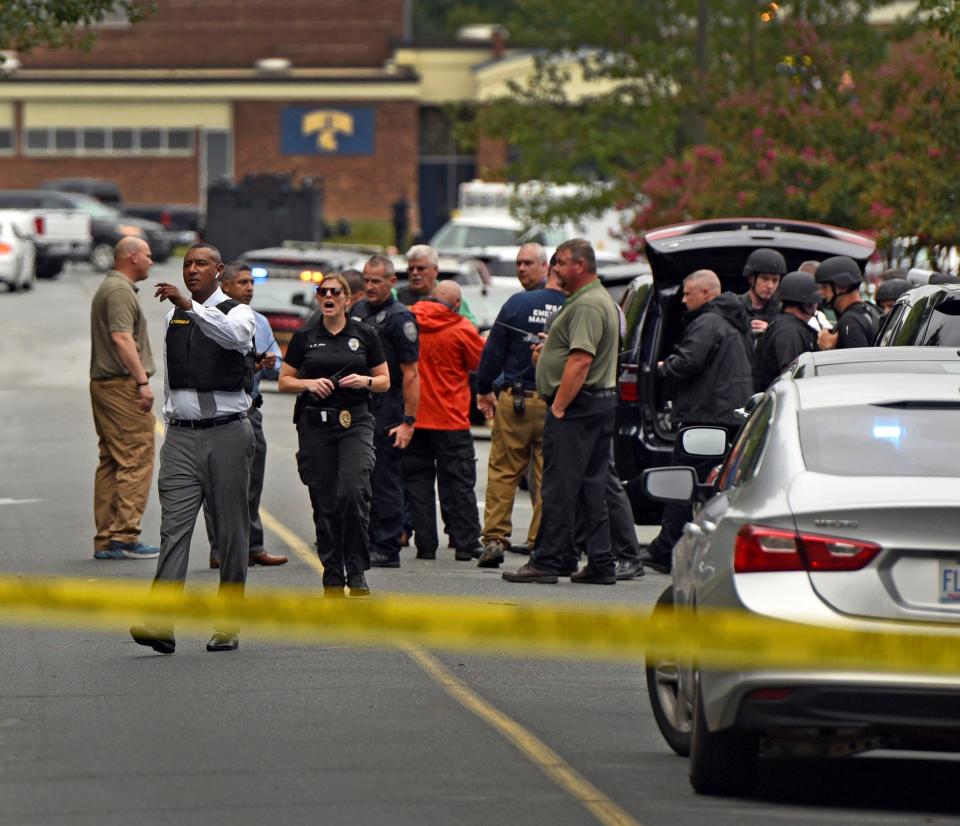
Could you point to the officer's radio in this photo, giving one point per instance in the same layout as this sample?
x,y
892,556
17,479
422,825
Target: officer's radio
x,y
519,401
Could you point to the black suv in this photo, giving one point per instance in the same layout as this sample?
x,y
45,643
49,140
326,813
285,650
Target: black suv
x,y
644,432
925,316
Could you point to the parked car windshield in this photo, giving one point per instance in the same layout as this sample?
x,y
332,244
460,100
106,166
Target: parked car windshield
x,y
899,439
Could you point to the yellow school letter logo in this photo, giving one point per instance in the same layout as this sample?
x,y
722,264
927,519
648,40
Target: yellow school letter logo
x,y
327,124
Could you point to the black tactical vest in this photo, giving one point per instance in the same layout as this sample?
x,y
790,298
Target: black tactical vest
x,y
197,362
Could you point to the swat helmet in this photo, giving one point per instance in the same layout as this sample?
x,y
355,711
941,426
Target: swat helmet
x,y
892,289
840,271
799,288
764,260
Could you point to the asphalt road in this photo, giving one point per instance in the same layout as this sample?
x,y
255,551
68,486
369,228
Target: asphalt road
x,y
96,730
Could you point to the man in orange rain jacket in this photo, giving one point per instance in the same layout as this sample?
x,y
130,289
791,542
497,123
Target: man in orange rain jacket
x,y
441,450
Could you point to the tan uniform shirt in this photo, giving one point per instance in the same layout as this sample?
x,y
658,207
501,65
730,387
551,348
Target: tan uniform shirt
x,y
116,309
587,321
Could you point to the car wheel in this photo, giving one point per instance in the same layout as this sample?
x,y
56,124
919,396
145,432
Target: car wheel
x,y
721,762
49,269
101,257
671,710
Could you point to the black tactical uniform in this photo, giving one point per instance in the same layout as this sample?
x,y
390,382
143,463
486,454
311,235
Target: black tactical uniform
x,y
397,328
785,339
857,326
335,434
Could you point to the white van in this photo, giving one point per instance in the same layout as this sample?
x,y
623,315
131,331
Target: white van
x,y
484,228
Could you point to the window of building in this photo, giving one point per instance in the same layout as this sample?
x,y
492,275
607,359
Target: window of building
x,y
107,141
6,141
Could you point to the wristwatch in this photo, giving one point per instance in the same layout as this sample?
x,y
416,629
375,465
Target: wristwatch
x,y
409,420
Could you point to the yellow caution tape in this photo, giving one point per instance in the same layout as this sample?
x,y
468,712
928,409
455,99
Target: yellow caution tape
x,y
608,632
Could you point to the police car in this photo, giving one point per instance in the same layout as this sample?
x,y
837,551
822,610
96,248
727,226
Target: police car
x,y
286,278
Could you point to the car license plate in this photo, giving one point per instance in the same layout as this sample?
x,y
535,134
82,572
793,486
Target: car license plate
x,y
949,582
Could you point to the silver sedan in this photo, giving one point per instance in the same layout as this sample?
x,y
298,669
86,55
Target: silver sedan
x,y
836,506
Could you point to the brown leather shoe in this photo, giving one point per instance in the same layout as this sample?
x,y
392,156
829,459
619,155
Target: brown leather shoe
x,y
530,574
263,558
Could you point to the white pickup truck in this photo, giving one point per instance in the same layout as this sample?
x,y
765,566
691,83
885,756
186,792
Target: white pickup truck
x,y
61,233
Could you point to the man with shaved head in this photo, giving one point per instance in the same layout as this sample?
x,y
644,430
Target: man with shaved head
x,y
121,364
712,375
440,453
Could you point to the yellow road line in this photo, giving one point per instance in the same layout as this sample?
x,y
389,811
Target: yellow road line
x,y
534,749
295,543
541,755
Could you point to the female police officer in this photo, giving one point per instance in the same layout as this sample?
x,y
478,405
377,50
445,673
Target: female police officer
x,y
334,364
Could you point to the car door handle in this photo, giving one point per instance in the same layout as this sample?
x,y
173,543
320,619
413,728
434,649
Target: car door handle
x,y
708,526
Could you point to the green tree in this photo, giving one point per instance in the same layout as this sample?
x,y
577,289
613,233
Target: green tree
x,y
875,151
669,64
26,24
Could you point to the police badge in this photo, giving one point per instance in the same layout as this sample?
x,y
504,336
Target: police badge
x,y
380,317
354,344
345,419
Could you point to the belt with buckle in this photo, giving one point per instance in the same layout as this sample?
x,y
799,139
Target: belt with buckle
x,y
332,415
216,421
600,393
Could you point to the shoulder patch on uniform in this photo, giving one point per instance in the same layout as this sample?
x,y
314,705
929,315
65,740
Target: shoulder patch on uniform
x,y
410,330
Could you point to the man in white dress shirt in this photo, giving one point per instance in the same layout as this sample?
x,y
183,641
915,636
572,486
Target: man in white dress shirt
x,y
208,450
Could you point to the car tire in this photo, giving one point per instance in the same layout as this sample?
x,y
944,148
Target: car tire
x,y
49,269
671,711
101,257
721,762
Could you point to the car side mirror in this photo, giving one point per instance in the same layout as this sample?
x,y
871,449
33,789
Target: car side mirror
x,y
674,484
705,442
299,300
745,411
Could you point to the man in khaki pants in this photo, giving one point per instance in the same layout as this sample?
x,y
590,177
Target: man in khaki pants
x,y
120,368
519,412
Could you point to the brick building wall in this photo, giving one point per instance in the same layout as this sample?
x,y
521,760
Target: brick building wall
x,y
356,186
160,180
184,34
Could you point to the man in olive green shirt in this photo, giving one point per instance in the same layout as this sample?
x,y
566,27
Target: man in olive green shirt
x,y
121,364
577,375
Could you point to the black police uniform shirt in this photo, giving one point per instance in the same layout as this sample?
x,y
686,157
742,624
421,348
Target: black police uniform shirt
x,y
399,335
857,327
317,353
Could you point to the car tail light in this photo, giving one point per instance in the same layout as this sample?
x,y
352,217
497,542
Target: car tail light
x,y
770,695
629,383
39,224
284,323
760,550
5,248
165,219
